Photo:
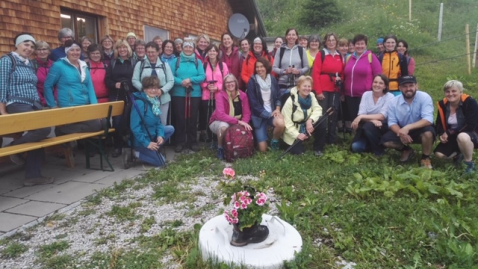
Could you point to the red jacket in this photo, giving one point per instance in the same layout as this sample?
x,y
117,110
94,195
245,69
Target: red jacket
x,y
42,72
249,65
221,113
98,73
233,61
323,73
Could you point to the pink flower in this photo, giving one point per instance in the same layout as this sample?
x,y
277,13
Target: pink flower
x,y
248,201
228,173
235,221
243,206
261,201
228,218
234,213
233,197
237,204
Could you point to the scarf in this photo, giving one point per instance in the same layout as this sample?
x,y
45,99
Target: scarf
x,y
25,60
266,84
154,105
232,110
305,104
187,58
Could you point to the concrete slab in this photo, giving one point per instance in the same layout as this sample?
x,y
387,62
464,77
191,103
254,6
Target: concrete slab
x,y
11,181
27,191
66,193
92,176
9,202
118,177
12,221
35,209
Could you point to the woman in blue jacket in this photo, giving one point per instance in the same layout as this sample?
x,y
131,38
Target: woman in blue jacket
x,y
149,134
188,72
263,94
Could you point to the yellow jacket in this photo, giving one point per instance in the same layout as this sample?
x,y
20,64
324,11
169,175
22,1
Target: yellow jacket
x,y
292,127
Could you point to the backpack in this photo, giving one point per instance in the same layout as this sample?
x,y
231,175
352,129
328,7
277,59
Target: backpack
x,y
218,63
178,60
282,51
14,63
238,143
350,55
95,68
284,99
162,66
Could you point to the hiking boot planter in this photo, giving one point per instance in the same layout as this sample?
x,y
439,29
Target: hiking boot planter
x,y
246,217
254,234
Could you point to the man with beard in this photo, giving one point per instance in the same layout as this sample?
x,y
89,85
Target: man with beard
x,y
410,119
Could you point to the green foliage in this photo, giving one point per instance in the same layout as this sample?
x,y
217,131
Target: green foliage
x,y
319,13
123,213
13,250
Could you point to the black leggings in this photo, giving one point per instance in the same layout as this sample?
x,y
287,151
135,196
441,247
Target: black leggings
x,y
185,133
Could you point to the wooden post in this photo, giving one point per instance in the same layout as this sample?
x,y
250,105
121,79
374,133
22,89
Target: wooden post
x,y
468,53
440,22
476,47
410,10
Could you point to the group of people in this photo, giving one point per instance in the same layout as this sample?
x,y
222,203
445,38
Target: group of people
x,y
186,87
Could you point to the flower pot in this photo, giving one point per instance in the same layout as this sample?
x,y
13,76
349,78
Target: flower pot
x,y
254,234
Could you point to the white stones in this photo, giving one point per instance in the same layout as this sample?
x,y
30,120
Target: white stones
x,y
281,245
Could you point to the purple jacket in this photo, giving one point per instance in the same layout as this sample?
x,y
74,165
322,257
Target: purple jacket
x,y
221,113
359,74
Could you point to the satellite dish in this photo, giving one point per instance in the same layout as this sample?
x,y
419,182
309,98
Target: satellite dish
x,y
238,25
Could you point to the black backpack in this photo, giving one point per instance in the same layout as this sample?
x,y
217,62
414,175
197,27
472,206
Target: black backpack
x,y
301,53
218,63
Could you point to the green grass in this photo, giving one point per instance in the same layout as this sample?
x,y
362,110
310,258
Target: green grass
x,y
13,250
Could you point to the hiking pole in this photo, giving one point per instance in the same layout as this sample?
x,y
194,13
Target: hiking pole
x,y
329,112
131,96
187,112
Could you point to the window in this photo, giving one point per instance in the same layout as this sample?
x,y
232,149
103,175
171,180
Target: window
x,y
152,32
82,24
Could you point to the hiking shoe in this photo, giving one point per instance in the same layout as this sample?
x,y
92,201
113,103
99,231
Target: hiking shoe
x,y
194,147
213,145
426,163
470,167
126,159
178,148
318,153
407,155
38,181
220,153
17,159
274,144
458,159
116,153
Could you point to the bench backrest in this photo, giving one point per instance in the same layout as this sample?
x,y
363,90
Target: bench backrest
x,y
15,123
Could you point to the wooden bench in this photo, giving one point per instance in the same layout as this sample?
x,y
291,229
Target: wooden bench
x,y
22,122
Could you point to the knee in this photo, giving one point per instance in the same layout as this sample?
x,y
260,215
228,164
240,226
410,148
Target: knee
x,y
440,155
357,147
279,123
463,138
427,135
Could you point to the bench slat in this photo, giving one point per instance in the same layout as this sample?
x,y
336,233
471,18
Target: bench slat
x,y
21,122
49,142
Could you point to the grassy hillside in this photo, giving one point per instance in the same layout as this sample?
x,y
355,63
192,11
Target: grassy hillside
x,y
381,17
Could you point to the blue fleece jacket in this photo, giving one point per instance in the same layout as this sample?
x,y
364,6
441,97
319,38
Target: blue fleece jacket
x,y
74,88
151,122
187,69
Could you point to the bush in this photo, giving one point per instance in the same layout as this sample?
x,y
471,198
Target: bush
x,y
320,13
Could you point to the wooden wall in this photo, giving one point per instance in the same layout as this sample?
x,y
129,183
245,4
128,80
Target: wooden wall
x,y
180,17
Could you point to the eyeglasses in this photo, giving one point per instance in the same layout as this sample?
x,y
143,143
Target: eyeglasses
x,y
230,82
42,50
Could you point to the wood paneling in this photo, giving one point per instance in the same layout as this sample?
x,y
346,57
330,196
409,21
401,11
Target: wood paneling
x,y
118,17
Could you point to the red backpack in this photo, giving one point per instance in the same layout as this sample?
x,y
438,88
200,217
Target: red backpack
x,y
238,143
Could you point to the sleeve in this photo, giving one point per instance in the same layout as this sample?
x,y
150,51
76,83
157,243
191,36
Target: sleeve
x,y
384,108
136,79
225,70
91,90
246,110
255,105
438,123
51,80
177,80
471,115
403,65
5,67
411,66
427,109
316,69
392,117
363,107
110,83
376,65
245,71
275,88
159,128
304,60
135,125
316,110
275,66
200,76
170,78
290,128
207,78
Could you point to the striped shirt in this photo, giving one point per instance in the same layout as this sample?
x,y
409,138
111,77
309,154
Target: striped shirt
x,y
18,85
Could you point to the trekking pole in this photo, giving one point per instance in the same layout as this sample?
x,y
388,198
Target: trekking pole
x,y
329,112
338,84
131,97
187,112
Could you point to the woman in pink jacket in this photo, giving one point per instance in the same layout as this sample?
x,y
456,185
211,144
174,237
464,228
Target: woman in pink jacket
x,y
231,57
212,85
41,65
232,107
360,69
97,73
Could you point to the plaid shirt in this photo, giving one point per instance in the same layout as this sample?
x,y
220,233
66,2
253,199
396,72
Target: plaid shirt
x,y
21,83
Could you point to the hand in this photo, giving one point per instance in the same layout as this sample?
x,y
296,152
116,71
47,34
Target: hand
x,y
160,140
118,85
377,123
302,137
185,82
160,92
245,124
276,113
443,138
309,127
153,146
212,88
404,137
295,71
320,96
355,123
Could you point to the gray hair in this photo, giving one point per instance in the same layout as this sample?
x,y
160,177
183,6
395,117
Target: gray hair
x,y
453,84
65,32
42,45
